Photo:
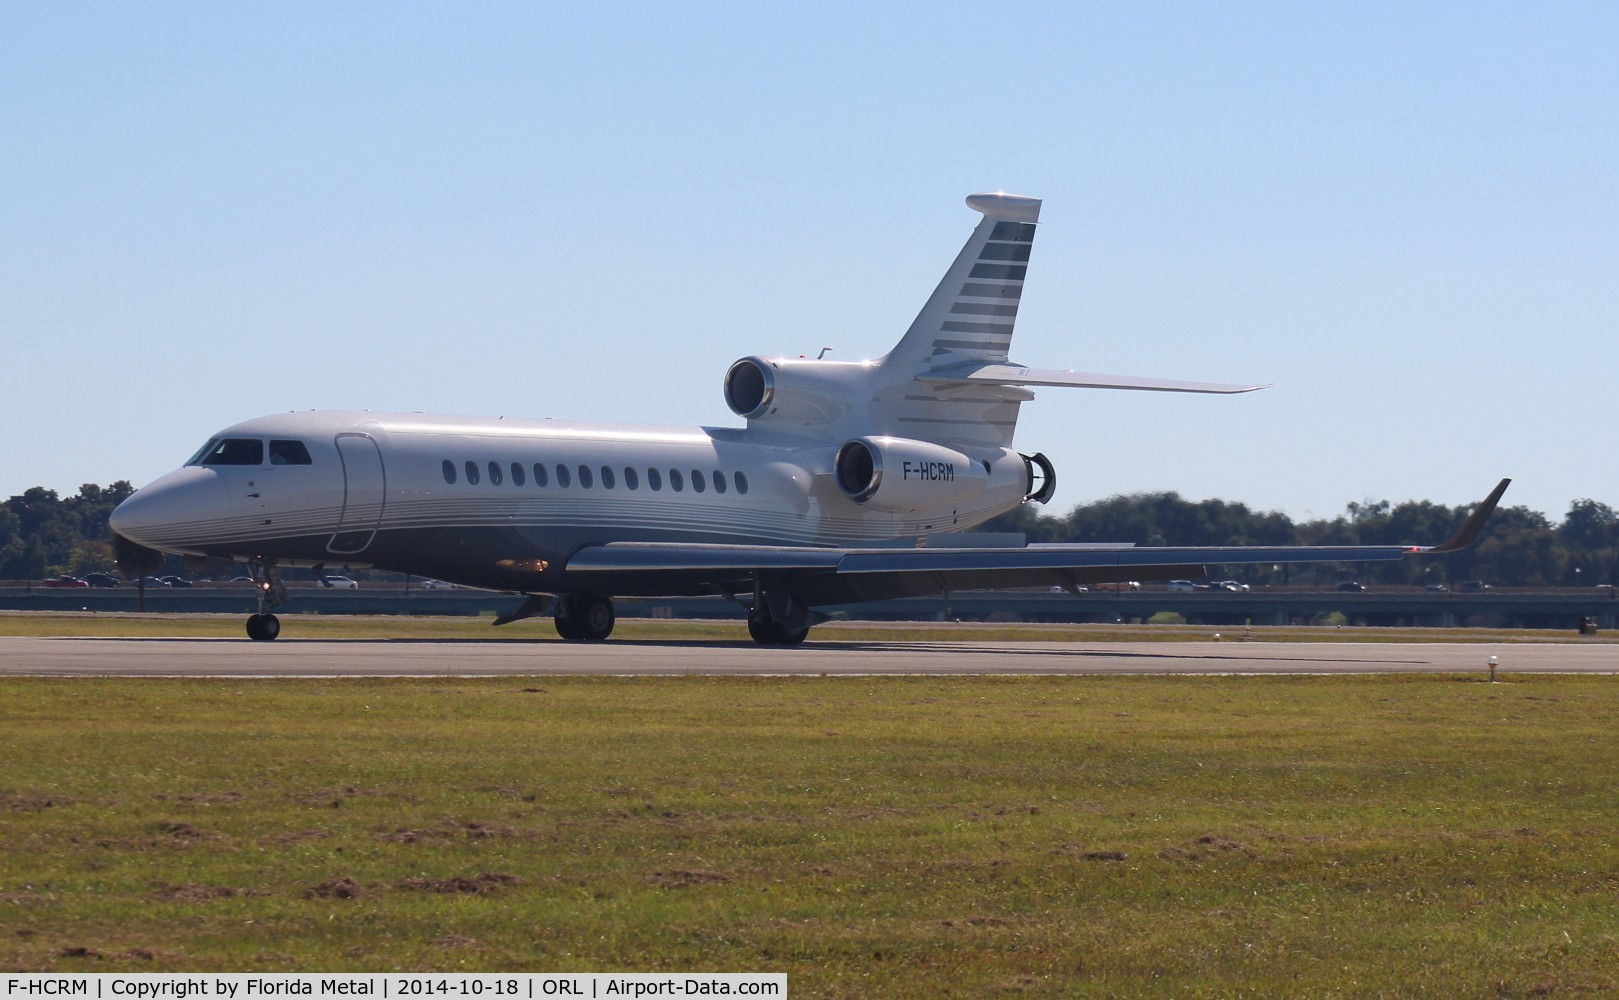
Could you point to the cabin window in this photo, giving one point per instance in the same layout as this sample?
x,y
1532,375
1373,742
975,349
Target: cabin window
x,y
539,475
654,480
584,477
236,451
719,481
696,481
289,453
675,482
562,475
472,472
741,482
631,482
517,473
449,472
494,474
607,477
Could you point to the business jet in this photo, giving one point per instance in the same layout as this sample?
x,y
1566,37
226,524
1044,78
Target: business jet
x,y
850,481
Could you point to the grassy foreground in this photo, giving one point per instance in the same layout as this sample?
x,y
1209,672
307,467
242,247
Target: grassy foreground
x,y
1196,836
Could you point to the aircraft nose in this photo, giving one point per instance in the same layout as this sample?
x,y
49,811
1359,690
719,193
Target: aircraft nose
x,y
174,512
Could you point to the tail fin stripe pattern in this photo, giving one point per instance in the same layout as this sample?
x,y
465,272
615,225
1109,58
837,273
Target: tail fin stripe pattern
x,y
992,291
1014,272
1006,251
1014,232
957,326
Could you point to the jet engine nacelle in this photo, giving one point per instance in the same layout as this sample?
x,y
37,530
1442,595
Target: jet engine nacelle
x,y
796,395
898,474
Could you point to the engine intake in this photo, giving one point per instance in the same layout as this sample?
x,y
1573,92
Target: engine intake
x,y
750,384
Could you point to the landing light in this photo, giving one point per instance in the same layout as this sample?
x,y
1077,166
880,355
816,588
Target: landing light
x,y
524,565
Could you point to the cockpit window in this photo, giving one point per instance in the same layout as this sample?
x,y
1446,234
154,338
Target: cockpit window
x,y
202,452
289,453
235,451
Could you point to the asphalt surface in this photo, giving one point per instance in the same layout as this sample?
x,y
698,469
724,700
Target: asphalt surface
x,y
290,657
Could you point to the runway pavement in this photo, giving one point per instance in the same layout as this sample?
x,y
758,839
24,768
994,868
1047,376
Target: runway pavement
x,y
402,657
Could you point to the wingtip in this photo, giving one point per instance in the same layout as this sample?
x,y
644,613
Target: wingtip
x,y
1474,526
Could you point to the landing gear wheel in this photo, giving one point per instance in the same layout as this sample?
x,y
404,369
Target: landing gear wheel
x,y
768,632
263,628
585,618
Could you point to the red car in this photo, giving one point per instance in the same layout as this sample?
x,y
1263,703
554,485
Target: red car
x,y
63,581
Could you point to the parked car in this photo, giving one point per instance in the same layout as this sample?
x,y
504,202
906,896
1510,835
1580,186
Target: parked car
x,y
1437,588
63,581
175,581
1118,585
437,585
1350,587
339,583
150,581
1472,587
100,580
1181,586
1231,585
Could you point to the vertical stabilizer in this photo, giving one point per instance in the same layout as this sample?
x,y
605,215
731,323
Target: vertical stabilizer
x,y
968,318
970,315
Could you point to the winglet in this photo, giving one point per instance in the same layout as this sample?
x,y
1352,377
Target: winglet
x,y
1470,531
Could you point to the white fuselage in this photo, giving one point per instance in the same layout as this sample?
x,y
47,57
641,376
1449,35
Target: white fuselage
x,y
502,503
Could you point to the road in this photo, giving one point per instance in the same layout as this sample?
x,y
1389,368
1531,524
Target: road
x,y
32,656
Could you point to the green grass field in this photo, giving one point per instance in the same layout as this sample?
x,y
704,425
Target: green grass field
x,y
1346,836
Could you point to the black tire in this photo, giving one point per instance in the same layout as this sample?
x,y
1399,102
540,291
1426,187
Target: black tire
x,y
767,632
596,619
566,625
585,619
263,628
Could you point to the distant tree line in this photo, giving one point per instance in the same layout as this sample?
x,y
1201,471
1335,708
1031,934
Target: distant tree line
x,y
43,534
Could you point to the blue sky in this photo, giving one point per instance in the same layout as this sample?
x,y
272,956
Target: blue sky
x,y
1406,216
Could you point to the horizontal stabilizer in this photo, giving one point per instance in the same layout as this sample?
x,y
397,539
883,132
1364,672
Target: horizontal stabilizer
x,y
996,374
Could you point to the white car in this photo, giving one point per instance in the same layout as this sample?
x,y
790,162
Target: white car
x,y
437,585
339,583
1231,585
1181,586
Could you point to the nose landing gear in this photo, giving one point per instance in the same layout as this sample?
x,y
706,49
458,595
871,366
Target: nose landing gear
x,y
263,626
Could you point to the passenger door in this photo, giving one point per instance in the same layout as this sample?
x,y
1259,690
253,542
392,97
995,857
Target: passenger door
x,y
365,491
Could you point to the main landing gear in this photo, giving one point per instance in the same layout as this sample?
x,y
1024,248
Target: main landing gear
x,y
766,631
263,626
775,619
581,618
